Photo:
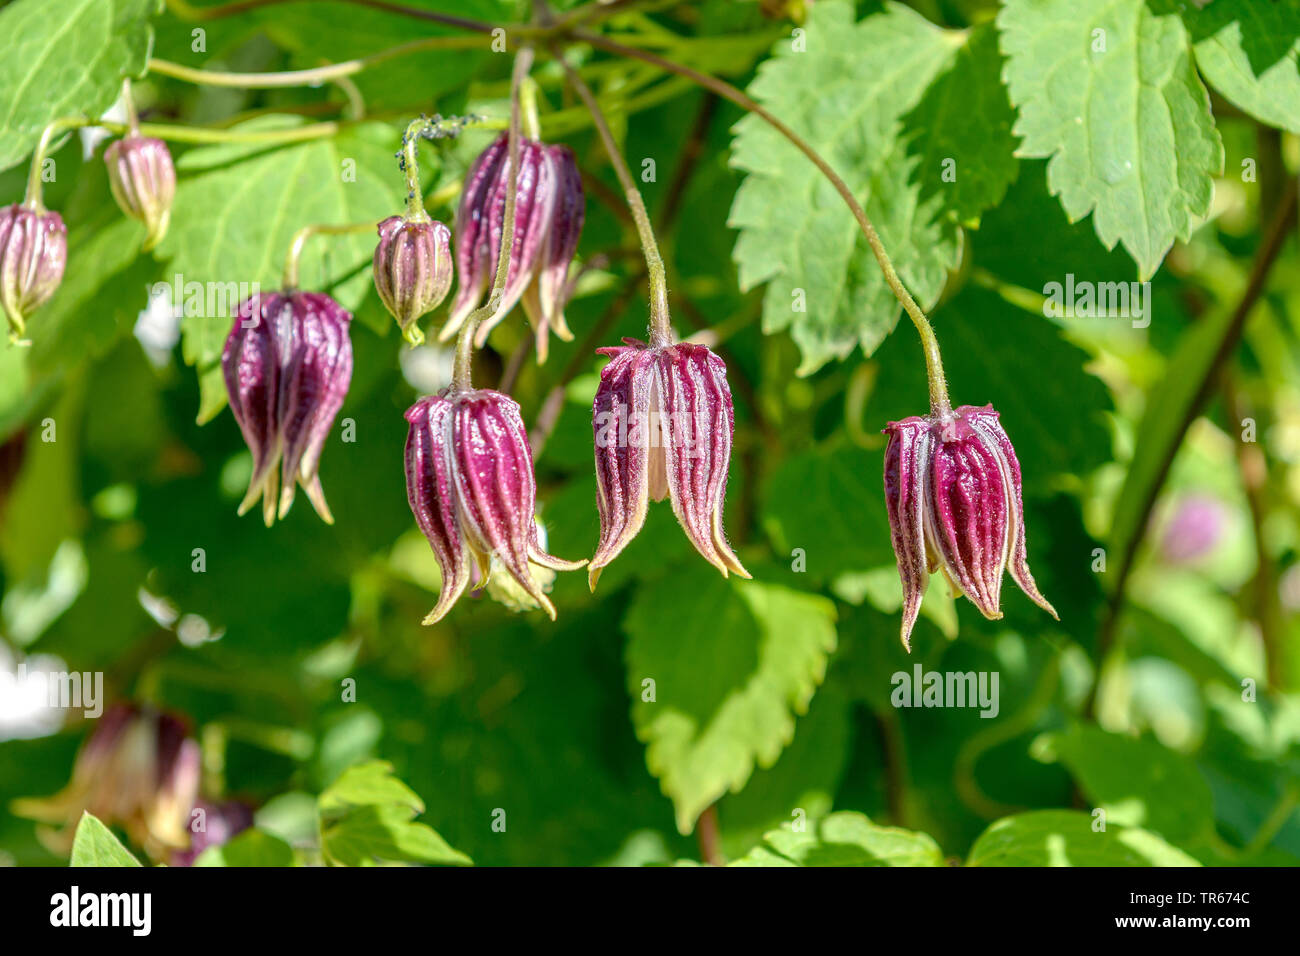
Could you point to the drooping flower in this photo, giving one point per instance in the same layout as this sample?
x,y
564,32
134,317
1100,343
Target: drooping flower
x,y
287,364
952,490
549,211
212,824
33,253
412,270
139,769
470,484
663,422
143,180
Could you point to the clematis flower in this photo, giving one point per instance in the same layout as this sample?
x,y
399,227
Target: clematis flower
x,y
549,213
287,365
952,490
33,253
142,178
139,769
412,270
663,422
470,484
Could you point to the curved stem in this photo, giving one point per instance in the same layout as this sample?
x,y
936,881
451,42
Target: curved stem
x,y
460,374
661,332
424,127
300,239
312,77
939,401
199,134
128,101
32,199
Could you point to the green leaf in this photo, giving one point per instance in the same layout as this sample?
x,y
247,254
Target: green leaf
x,y
367,818
237,213
801,784
1066,838
384,833
250,848
95,845
963,124
100,297
66,58
1106,89
1137,781
830,503
732,662
41,511
369,783
844,839
1250,52
887,101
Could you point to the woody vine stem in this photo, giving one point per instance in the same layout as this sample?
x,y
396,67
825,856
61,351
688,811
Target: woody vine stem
x,y
554,32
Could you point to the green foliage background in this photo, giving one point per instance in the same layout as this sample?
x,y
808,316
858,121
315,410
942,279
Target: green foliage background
x,y
1162,156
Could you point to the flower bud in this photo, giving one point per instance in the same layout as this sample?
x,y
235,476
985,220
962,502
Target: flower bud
x,y
33,252
952,490
287,365
549,215
470,484
143,180
663,422
412,270
140,770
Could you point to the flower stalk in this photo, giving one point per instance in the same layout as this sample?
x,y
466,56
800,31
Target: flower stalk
x,y
940,404
661,333
460,376
300,238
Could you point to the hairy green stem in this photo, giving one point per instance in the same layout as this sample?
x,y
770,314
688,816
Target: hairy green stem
x,y
312,77
661,332
411,167
939,401
300,239
461,369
